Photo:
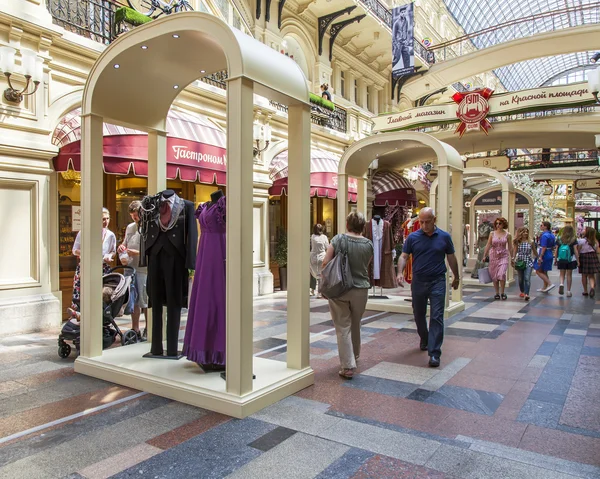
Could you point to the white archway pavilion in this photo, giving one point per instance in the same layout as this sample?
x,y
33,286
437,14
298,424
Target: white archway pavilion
x,y
133,83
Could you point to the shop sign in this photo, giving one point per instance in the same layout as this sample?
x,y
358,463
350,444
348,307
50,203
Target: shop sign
x,y
331,181
467,204
473,108
498,163
192,153
75,218
500,104
494,198
587,184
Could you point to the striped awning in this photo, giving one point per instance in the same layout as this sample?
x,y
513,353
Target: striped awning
x,y
323,175
196,148
179,125
391,188
320,162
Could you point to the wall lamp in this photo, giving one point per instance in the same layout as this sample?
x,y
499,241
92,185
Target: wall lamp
x,y
32,68
261,133
594,82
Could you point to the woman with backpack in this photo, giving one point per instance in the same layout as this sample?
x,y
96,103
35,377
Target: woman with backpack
x,y
588,261
567,258
522,262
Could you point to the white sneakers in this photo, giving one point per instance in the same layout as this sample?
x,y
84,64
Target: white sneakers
x,y
549,288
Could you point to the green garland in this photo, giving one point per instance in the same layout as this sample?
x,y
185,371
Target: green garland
x,y
131,16
317,100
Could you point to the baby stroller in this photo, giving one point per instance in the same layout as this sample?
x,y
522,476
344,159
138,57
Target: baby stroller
x,y
114,308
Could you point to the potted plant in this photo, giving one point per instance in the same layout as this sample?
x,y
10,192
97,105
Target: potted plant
x,y
281,255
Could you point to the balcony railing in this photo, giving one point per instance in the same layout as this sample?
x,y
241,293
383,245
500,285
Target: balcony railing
x,y
93,19
518,28
559,159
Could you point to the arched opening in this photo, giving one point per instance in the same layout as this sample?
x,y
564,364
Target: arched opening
x,y
397,150
187,46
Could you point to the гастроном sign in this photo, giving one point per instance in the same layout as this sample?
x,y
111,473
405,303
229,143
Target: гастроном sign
x,y
500,104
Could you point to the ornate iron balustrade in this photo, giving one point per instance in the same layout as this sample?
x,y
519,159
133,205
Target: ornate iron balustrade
x,y
557,159
518,28
379,10
92,19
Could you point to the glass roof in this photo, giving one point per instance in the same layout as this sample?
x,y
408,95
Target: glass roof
x,y
477,15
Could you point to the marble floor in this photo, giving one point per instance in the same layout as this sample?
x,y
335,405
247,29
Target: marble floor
x,y
517,396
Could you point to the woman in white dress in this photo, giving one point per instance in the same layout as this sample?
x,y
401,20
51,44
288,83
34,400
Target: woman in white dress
x,y
318,248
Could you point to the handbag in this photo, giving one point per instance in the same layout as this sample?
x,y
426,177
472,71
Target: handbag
x,y
484,276
336,277
520,265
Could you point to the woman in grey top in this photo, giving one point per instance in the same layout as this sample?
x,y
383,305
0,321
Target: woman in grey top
x,y
347,310
129,254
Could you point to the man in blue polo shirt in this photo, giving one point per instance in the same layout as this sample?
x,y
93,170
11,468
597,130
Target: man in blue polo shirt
x,y
429,246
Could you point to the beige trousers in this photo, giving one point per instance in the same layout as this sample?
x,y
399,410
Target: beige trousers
x,y
346,312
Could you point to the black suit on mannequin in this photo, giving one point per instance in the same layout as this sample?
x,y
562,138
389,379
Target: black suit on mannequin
x,y
170,255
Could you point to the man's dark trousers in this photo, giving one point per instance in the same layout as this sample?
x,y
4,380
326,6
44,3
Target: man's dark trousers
x,y
435,292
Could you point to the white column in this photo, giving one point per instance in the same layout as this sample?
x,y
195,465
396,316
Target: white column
x,y
433,192
239,230
91,235
53,221
342,201
157,161
361,200
511,226
457,226
298,301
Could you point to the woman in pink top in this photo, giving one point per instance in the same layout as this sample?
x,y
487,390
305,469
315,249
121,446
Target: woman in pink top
x,y
588,260
499,247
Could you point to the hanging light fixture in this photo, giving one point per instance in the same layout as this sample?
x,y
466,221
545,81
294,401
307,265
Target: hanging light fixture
x,y
32,68
261,133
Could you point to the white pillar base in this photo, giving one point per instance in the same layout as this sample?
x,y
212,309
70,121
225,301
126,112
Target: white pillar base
x,y
262,283
181,381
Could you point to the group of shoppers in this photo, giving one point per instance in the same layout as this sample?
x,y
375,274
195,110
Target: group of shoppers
x,y
129,253
565,251
429,247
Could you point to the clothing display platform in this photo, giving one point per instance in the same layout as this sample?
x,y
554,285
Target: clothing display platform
x,y
399,305
468,281
184,381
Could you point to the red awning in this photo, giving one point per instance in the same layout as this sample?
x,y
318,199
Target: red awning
x,y
323,175
322,185
195,149
392,189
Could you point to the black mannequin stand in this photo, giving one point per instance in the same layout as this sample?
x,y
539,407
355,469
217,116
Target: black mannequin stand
x,y
163,356
224,376
380,296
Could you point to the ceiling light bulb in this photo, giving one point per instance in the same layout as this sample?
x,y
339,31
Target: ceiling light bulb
x,y
117,65
144,47
175,35
175,87
202,71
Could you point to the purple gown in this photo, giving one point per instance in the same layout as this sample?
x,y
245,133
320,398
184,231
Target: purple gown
x,y
204,340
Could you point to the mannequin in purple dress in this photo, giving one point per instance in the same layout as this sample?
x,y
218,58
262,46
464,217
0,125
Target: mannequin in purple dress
x,y
204,341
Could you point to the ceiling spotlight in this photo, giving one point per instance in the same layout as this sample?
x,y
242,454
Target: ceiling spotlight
x,y
116,65
144,47
175,35
175,87
202,71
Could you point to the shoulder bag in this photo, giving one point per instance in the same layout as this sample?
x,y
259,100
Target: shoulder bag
x,y
336,277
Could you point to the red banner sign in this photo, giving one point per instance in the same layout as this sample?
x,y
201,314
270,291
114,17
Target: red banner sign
x,y
473,108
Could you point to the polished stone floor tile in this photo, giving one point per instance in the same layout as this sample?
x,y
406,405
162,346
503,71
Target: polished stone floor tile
x,y
347,465
383,467
464,324
401,372
381,385
540,413
465,399
272,439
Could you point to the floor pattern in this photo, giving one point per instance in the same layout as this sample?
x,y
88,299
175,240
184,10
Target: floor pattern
x,y
516,397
